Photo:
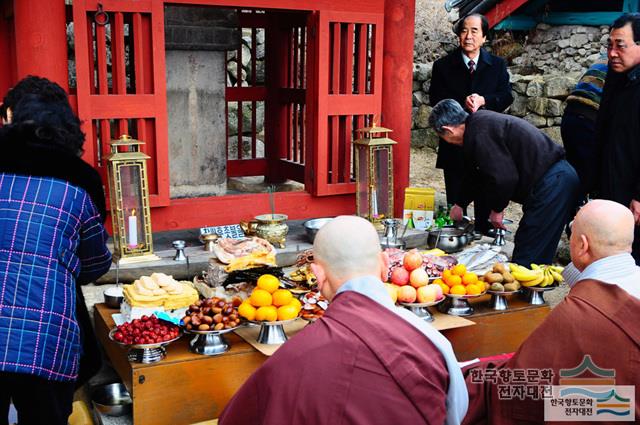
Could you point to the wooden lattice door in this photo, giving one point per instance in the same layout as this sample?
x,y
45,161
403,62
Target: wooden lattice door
x,y
282,92
347,83
121,89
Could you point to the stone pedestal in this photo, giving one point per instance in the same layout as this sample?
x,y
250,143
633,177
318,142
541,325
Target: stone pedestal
x,y
197,39
197,138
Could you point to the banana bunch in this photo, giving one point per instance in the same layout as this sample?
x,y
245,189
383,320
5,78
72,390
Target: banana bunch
x,y
538,275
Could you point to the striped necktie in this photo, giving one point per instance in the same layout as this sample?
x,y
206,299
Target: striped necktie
x,y
472,68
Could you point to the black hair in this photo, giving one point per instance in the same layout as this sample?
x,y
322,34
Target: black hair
x,y
457,28
47,123
633,19
43,87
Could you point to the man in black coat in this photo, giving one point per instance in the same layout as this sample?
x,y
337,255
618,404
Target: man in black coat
x,y
476,79
618,128
511,160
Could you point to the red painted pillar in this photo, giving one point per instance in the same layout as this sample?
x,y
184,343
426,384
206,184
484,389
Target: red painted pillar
x,y
41,40
397,74
7,59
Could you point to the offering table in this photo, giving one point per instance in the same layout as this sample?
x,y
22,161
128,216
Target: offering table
x,y
186,388
495,332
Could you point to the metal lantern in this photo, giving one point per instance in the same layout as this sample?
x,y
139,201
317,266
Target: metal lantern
x,y
129,199
374,173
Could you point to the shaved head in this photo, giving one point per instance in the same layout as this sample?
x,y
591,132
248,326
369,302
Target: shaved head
x,y
601,229
345,248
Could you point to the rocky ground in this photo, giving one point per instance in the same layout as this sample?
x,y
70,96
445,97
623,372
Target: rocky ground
x,y
424,173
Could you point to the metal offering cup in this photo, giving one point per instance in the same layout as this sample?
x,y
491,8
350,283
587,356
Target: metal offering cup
x,y
271,334
460,307
209,344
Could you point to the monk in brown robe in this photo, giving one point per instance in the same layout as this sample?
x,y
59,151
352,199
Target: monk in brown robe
x,y
365,362
597,318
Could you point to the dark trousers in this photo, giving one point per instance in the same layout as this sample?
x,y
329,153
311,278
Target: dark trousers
x,y
38,401
579,140
91,358
453,182
546,212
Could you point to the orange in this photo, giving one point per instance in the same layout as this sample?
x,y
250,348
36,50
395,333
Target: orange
x,y
474,289
469,279
287,312
453,280
267,313
268,282
459,270
438,281
458,290
281,297
260,298
445,274
296,303
247,311
444,286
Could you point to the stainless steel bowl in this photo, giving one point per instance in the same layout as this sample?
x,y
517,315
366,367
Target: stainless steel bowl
x,y
448,239
112,399
311,227
112,300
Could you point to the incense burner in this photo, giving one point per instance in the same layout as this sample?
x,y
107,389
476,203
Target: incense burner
x,y
273,228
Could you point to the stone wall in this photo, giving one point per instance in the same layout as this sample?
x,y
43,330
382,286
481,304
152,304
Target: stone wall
x,y
566,48
540,99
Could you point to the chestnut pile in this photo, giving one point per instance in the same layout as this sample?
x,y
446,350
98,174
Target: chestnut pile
x,y
212,314
146,330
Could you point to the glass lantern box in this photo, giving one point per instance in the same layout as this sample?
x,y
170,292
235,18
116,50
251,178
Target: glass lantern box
x,y
374,173
129,202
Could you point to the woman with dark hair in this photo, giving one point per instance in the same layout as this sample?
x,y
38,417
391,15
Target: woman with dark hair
x,y
51,240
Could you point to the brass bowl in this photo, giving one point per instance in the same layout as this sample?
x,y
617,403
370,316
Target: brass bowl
x,y
273,228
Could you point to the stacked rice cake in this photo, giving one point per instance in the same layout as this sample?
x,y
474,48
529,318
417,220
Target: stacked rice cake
x,y
159,290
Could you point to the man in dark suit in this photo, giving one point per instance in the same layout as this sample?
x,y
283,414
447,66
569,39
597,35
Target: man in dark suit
x,y
511,160
475,79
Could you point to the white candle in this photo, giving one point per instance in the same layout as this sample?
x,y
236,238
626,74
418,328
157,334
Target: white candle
x,y
133,230
374,203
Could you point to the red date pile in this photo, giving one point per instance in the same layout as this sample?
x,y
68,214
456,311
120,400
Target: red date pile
x,y
212,314
146,330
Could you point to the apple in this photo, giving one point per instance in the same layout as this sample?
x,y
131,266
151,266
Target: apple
x,y
407,294
438,289
426,294
418,278
412,260
399,276
393,291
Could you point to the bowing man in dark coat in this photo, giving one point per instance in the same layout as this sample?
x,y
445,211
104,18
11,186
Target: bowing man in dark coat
x,y
511,160
476,79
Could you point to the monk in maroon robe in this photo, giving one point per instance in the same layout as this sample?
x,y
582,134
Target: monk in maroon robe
x,y
599,318
362,363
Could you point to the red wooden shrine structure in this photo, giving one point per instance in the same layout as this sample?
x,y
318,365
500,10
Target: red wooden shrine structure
x,y
331,66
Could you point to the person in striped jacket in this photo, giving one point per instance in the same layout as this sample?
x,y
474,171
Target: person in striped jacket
x,y
51,239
